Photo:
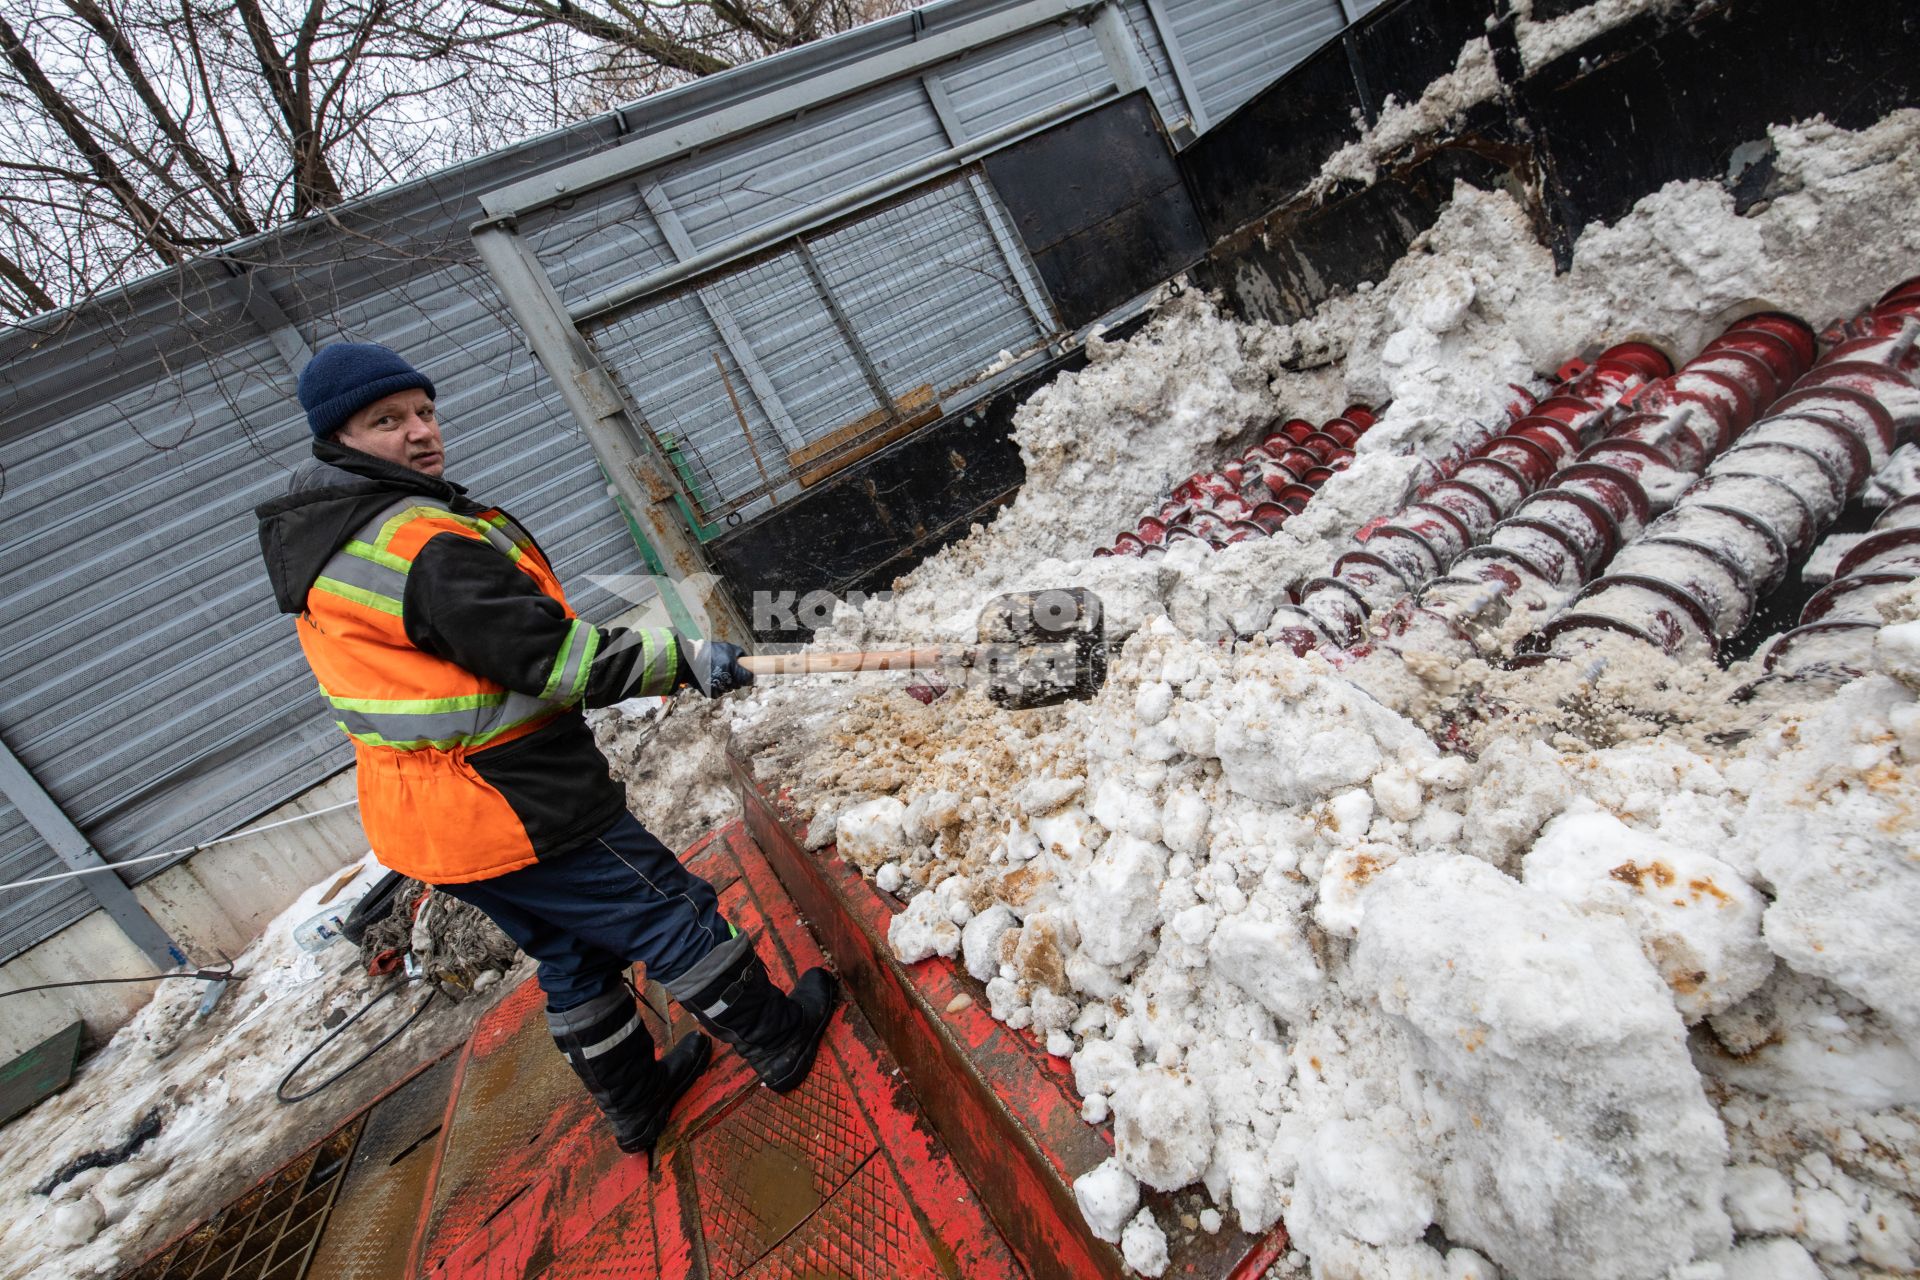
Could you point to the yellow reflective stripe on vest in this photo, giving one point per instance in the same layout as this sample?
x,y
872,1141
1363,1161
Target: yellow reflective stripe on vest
x,y
376,555
390,724
660,661
568,679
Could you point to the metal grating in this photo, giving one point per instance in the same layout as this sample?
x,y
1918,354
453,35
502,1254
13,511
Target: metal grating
x,y
510,1093
772,1163
378,1206
270,1232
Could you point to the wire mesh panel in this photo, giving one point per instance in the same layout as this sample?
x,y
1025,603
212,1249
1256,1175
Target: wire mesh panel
x,y
927,289
596,241
789,325
768,376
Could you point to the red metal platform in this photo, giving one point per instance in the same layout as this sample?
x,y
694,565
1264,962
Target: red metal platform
x,y
841,1177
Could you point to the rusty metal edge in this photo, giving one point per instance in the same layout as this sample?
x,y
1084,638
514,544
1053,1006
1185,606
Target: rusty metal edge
x,y
1028,1201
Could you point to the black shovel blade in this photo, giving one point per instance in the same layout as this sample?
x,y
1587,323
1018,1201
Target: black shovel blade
x,y
1038,648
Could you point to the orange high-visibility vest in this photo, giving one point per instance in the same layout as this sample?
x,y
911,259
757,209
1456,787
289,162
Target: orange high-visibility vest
x,y
416,718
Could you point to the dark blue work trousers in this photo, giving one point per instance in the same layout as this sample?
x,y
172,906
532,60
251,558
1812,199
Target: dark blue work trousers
x,y
619,899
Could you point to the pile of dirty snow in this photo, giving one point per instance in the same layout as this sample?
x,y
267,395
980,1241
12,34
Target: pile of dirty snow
x,y
1617,982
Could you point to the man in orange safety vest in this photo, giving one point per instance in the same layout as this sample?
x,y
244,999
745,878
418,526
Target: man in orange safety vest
x,y
446,647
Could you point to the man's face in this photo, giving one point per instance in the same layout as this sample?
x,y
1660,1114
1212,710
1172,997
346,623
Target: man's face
x,y
401,428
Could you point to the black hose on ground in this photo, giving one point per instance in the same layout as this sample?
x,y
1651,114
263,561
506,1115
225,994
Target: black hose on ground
x,y
199,975
280,1091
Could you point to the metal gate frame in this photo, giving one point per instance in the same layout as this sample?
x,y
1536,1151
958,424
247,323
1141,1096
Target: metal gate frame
x,y
643,477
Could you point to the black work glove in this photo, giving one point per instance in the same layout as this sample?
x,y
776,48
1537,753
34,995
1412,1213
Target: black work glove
x,y
724,672
712,666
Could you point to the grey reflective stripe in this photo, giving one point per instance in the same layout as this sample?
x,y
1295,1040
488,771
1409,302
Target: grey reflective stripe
x,y
394,728
517,709
501,540
491,715
709,967
613,1041
568,679
660,662
356,571
571,1022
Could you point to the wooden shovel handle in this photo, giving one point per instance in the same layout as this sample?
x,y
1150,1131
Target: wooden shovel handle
x,y
797,664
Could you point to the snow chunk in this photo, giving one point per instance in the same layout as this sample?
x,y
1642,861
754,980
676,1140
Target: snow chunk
x,y
1771,1260
1297,737
980,940
1834,831
1101,1066
1897,650
1465,1264
1143,1245
923,930
1533,1020
870,833
1107,1196
1364,1176
1271,961
1759,1200
1396,794
77,1221
1697,920
1116,904
1163,1128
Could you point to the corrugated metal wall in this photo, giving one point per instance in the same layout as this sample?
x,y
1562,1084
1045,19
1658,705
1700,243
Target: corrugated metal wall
x,y
754,377
1232,51
146,680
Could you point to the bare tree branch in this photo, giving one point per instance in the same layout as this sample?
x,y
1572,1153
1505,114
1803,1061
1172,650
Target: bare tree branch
x,y
138,134
160,236
157,110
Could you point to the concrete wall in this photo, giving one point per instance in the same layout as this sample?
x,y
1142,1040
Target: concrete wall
x,y
218,900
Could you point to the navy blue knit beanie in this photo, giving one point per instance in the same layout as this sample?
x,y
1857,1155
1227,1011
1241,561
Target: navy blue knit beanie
x,y
346,377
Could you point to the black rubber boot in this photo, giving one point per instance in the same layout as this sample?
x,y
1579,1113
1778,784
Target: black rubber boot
x,y
777,1033
608,1047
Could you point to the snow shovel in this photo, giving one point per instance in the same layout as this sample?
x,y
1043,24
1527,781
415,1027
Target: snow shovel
x,y
1037,648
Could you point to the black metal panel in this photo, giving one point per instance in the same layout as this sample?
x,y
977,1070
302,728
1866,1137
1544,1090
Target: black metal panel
x,y
1402,48
1101,206
866,525
1283,267
1262,155
1656,101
